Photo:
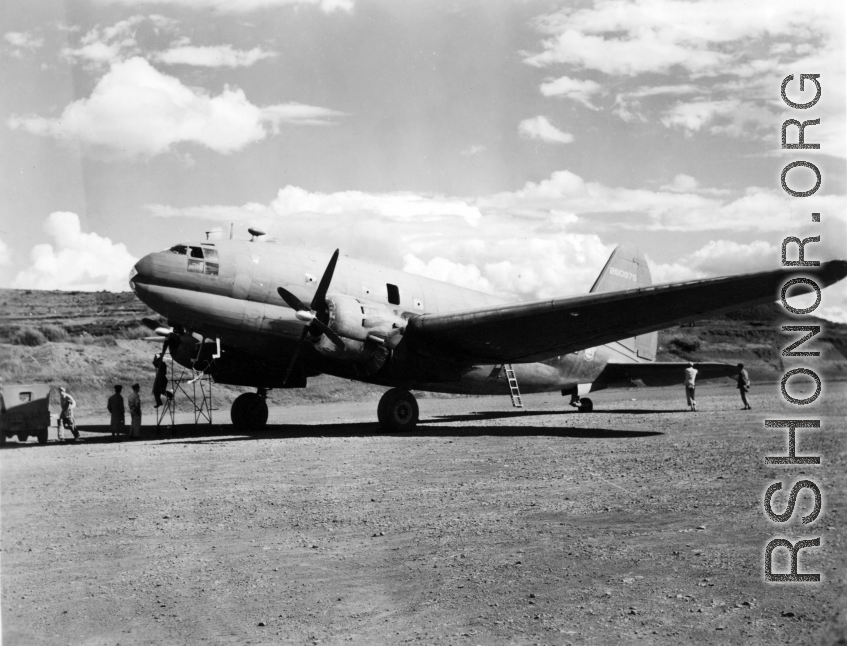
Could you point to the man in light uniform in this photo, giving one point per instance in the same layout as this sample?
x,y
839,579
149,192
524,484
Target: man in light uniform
x,y
690,376
743,386
116,408
66,417
134,403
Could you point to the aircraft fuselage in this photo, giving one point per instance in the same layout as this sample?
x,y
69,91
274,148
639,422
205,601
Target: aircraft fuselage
x,y
227,290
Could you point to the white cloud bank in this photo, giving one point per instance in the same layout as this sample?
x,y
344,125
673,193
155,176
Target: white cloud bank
x,y
78,261
540,128
135,110
542,240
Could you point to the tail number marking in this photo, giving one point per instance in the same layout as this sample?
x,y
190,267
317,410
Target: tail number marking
x,y
623,274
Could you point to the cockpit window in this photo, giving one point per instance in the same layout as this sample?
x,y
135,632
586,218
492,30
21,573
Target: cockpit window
x,y
181,249
196,263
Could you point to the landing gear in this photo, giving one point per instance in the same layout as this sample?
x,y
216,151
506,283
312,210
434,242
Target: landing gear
x,y
249,411
398,411
582,404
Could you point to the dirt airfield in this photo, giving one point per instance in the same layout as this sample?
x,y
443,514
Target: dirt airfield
x,y
637,524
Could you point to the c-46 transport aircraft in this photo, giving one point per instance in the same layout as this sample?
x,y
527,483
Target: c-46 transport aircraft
x,y
264,315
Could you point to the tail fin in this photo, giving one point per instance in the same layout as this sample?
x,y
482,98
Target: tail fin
x,y
627,269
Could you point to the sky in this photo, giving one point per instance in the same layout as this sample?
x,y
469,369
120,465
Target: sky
x,y
507,146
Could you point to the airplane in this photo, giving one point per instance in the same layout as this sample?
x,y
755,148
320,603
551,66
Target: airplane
x,y
266,315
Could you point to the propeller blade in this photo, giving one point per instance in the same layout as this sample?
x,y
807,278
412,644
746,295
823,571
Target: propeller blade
x,y
291,300
393,341
332,336
150,324
294,357
319,300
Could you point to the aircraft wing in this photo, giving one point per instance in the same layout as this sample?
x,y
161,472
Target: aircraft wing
x,y
539,330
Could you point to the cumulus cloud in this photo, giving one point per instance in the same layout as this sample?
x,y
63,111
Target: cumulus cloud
x,y
736,53
240,6
103,46
217,56
21,41
564,86
681,184
439,268
135,110
540,128
731,116
654,36
78,261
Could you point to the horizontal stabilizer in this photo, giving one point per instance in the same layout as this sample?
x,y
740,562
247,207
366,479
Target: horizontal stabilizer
x,y
662,373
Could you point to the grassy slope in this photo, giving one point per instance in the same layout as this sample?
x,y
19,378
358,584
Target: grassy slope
x,y
98,344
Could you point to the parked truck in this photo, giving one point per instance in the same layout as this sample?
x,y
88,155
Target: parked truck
x,y
25,411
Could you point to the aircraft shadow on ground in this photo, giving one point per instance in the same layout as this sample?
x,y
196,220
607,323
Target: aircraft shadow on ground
x,y
431,427
485,415
191,434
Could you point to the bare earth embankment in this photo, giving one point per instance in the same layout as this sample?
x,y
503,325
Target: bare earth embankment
x,y
637,524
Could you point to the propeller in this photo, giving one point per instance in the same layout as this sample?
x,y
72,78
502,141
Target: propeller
x,y
316,315
161,331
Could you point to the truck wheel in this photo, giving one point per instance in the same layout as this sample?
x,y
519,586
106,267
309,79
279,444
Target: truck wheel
x,y
23,437
42,438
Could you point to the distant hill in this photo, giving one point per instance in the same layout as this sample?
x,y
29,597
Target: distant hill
x,y
92,340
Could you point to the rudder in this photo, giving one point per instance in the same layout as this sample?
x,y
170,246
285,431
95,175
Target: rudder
x,y
627,269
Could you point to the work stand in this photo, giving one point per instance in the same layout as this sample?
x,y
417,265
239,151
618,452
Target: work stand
x,y
195,386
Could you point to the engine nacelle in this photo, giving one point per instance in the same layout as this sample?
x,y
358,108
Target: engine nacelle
x,y
364,326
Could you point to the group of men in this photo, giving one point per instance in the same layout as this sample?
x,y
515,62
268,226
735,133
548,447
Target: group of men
x,y
742,383
116,407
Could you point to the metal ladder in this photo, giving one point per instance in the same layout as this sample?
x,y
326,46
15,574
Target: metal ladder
x,y
513,386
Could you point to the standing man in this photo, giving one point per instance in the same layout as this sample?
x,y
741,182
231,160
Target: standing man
x,y
134,403
116,408
743,386
66,417
690,377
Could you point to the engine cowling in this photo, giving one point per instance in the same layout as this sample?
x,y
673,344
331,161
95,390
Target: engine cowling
x,y
364,326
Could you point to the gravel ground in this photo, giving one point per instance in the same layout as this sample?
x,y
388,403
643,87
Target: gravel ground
x,y
637,524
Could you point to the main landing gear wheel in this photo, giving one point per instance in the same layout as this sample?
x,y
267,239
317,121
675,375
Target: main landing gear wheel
x,y
398,411
585,405
249,412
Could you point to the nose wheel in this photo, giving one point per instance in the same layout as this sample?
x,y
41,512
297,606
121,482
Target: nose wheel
x,y
398,411
249,412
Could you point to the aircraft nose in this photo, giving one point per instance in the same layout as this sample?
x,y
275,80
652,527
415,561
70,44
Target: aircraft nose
x,y
141,272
